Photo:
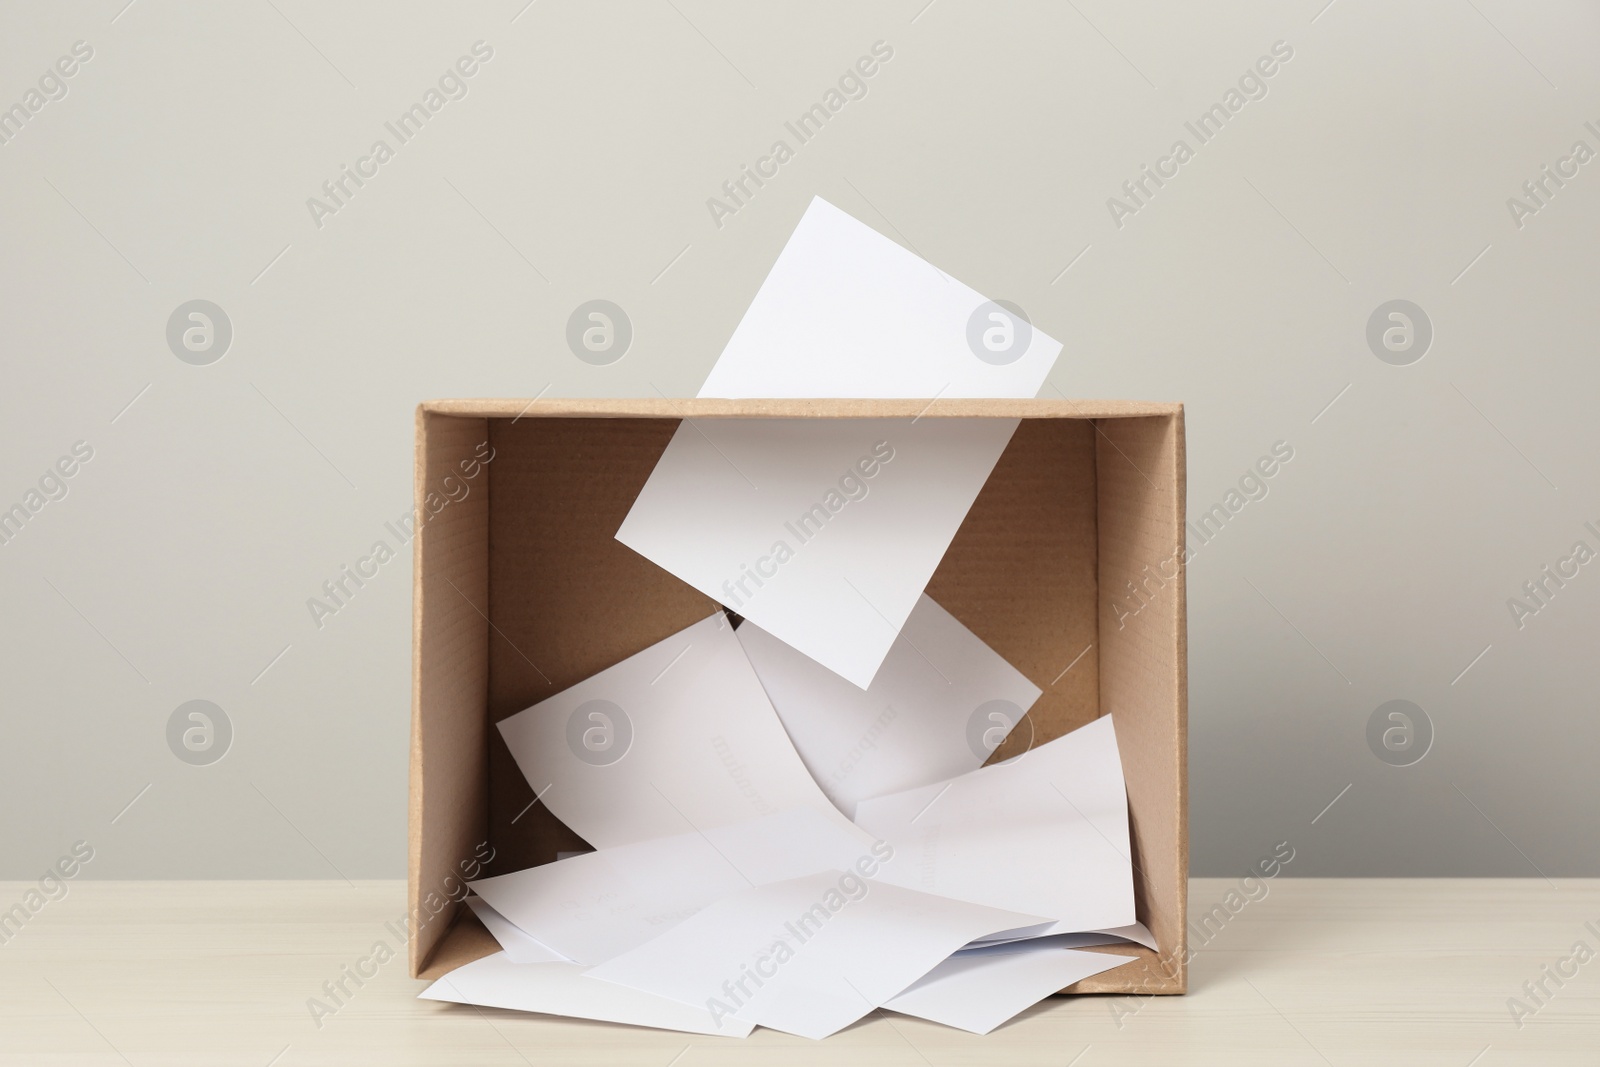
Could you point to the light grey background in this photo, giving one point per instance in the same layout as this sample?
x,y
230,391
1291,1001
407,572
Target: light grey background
x,y
219,498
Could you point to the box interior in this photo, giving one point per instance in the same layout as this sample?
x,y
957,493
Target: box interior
x,y
522,591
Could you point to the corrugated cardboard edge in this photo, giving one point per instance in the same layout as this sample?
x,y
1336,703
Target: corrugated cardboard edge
x,y
664,408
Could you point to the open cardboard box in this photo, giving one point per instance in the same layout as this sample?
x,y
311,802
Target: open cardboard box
x,y
1072,556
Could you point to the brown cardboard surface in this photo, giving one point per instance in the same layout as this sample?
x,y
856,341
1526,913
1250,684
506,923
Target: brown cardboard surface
x,y
1086,495
449,678
668,408
1021,574
1144,676
464,942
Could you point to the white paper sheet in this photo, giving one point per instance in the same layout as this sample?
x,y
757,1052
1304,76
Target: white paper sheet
x,y
808,956
823,532
938,707
676,739
846,311
979,989
1045,833
562,989
518,945
595,906
1136,933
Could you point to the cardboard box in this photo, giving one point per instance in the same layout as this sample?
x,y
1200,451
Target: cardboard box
x,y
1071,555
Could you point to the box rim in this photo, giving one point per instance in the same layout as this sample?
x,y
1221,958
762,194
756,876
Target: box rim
x,y
710,408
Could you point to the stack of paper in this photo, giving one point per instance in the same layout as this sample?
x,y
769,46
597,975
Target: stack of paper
x,y
792,823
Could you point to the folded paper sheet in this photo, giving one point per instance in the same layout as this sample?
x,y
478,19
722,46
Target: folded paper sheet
x,y
518,945
679,738
1134,933
979,989
846,311
808,956
823,532
592,907
738,509
938,707
562,989
1045,833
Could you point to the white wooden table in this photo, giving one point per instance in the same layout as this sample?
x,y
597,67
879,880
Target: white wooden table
x,y
1320,971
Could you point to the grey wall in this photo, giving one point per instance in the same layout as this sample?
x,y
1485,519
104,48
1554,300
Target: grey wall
x,y
220,497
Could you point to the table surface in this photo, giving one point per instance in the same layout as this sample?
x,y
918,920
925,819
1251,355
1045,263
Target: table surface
x,y
1318,971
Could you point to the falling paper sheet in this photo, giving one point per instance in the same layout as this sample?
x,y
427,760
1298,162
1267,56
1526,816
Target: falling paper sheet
x,y
1045,833
737,508
808,956
823,532
979,989
595,906
676,739
518,945
938,707
562,989
847,312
